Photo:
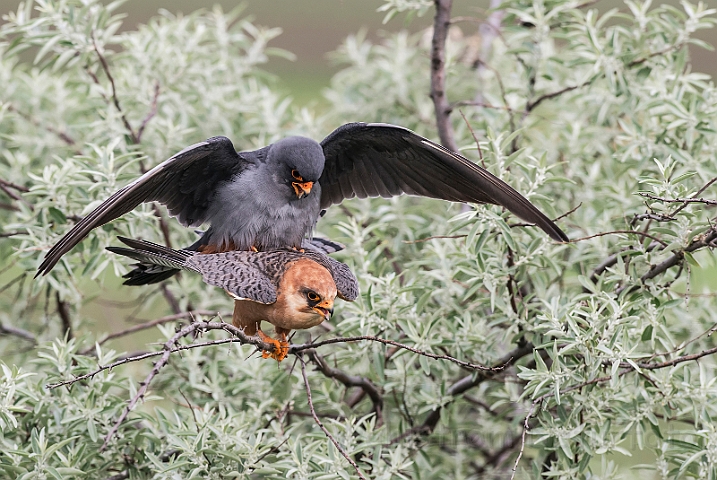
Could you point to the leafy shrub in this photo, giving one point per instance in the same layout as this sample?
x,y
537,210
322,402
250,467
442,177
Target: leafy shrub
x,y
602,345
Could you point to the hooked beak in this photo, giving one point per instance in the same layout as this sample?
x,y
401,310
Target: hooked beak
x,y
302,188
325,309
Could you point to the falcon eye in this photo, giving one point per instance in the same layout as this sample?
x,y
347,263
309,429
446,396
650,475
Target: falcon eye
x,y
295,174
313,296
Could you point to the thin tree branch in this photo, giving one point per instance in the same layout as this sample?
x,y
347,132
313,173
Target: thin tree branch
x,y
18,332
151,324
60,134
613,259
530,106
64,311
115,99
321,425
462,386
472,103
196,327
475,139
171,299
616,232
152,112
626,368
697,193
298,348
665,50
496,458
705,240
14,186
441,23
683,201
350,381
169,348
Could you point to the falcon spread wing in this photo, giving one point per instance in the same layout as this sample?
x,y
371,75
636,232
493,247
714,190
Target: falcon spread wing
x,y
185,183
374,159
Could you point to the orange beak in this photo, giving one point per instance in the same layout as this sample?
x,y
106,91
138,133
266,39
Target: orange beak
x,y
302,188
325,309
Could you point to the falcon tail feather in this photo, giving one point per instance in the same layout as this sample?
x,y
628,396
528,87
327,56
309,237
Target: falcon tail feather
x,y
154,254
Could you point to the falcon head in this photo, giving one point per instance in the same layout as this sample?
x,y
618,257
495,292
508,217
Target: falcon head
x,y
309,292
297,163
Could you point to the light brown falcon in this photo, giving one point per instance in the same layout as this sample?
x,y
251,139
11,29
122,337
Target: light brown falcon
x,y
287,288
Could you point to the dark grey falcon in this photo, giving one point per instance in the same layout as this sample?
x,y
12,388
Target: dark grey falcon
x,y
272,197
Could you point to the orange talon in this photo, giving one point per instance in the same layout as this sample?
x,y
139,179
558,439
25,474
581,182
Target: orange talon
x,y
281,346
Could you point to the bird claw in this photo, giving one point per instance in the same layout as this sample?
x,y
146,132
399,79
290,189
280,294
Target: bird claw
x,y
281,347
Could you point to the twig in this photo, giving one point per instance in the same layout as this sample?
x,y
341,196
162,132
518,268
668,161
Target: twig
x,y
569,212
658,217
8,188
152,112
14,186
526,426
475,139
434,237
171,299
298,348
613,259
488,31
683,201
17,332
530,106
698,192
441,22
363,383
151,324
499,456
472,103
705,240
673,362
462,386
321,425
682,346
64,311
115,99
513,225
616,232
503,96
665,50
199,326
163,226
60,134
168,350
12,282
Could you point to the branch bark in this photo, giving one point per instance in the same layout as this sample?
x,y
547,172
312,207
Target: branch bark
x,y
462,386
350,381
441,23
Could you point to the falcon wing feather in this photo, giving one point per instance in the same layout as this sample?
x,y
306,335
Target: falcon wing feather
x,y
185,183
374,159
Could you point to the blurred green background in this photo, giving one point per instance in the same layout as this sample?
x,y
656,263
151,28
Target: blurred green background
x,y
311,29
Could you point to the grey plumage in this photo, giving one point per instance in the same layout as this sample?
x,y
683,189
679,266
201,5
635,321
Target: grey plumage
x,y
250,275
253,198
